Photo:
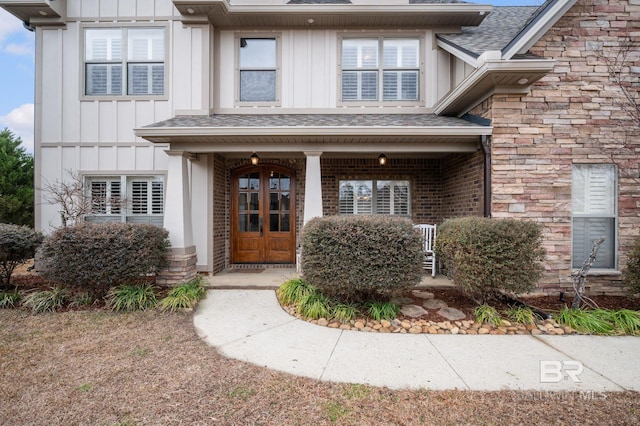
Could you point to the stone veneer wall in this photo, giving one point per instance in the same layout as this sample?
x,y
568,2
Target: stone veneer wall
x,y
574,115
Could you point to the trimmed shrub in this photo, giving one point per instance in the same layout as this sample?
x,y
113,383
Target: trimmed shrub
x,y
360,258
631,272
95,257
486,256
17,245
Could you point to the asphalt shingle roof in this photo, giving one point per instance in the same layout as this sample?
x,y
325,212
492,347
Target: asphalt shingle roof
x,y
313,120
495,32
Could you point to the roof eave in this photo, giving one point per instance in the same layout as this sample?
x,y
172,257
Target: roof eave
x,y
222,14
504,76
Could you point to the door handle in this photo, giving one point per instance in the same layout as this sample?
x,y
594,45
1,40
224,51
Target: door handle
x,y
261,225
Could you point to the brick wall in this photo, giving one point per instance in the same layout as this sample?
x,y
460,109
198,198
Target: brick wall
x,y
574,115
220,213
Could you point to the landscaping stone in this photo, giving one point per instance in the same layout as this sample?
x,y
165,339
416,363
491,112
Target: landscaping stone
x,y
451,314
434,304
402,300
413,311
422,294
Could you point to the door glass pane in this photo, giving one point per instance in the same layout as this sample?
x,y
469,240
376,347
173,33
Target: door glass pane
x,y
242,223
243,205
273,222
243,182
284,226
255,204
273,204
255,181
285,182
254,223
284,202
274,181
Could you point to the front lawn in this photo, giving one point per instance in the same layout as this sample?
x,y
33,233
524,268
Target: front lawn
x,y
97,367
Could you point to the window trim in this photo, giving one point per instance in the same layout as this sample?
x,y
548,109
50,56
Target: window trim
x,y
374,195
259,35
125,62
381,102
613,216
126,182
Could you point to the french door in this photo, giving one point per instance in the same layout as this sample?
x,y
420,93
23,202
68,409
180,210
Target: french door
x,y
263,215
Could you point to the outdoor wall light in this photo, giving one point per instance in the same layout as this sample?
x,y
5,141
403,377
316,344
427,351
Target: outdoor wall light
x,y
382,159
254,158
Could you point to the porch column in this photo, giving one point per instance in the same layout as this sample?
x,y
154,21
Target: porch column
x,y
177,220
312,187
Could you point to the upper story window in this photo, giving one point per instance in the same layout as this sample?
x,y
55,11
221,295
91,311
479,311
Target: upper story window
x,y
380,70
594,206
258,70
124,61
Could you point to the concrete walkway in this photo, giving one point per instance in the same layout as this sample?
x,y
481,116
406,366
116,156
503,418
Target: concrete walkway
x,y
250,325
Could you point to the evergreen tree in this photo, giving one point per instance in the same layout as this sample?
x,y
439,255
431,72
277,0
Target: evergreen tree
x,y
16,181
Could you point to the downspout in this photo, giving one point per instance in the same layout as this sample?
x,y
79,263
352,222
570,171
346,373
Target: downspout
x,y
485,142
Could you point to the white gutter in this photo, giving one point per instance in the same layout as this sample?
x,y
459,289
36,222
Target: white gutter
x,y
490,67
155,132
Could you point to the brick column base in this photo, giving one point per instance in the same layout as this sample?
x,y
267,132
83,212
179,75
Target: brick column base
x,y
180,269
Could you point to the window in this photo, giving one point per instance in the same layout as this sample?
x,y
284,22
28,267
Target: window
x,y
258,70
593,197
109,52
374,197
141,202
375,69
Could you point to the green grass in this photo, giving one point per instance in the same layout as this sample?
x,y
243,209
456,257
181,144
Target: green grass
x,y
293,291
131,297
334,410
344,312
625,321
378,310
487,314
46,300
315,306
9,299
585,321
521,315
185,296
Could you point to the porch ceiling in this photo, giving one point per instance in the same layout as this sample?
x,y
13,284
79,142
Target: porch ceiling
x,y
392,14
340,133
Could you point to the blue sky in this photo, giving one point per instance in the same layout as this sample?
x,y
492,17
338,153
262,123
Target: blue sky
x,y
17,72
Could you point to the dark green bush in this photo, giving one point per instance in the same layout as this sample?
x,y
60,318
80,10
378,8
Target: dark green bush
x,y
95,257
486,256
359,258
631,272
17,245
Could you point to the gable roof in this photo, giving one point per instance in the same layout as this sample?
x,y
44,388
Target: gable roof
x,y
510,30
495,32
